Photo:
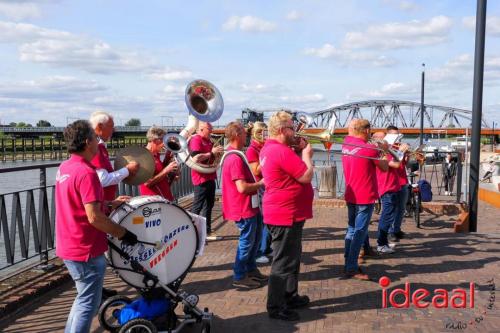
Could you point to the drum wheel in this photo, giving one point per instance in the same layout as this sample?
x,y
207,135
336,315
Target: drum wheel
x,y
138,326
109,312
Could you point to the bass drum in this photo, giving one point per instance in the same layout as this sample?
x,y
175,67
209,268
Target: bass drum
x,y
154,220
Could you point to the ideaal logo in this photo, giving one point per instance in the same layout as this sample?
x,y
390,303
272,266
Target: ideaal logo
x,y
148,211
441,298
459,299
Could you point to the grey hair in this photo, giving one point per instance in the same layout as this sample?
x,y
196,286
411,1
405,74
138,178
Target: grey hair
x,y
155,133
99,117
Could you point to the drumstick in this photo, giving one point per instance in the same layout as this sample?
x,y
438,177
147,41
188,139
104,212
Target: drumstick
x,y
157,245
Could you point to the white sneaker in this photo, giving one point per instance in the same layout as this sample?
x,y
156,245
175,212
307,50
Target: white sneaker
x,y
392,245
213,237
446,193
385,249
262,260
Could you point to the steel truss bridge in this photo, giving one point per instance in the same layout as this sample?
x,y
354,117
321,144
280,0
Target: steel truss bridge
x,y
382,113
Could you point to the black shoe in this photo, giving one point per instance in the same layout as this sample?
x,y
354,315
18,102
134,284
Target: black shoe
x,y
284,314
393,238
400,234
298,302
107,293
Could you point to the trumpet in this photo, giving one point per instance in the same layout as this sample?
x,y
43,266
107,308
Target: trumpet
x,y
303,120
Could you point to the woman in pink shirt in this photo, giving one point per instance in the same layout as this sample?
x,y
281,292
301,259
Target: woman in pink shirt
x,y
252,154
285,174
165,171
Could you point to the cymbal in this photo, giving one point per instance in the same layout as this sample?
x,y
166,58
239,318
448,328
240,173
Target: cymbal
x,y
140,155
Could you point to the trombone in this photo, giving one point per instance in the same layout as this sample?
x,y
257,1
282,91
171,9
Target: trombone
x,y
304,120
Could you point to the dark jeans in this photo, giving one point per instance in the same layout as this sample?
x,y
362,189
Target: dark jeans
x,y
284,277
448,183
203,201
390,206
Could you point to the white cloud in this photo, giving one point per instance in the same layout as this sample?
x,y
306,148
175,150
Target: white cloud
x,y
11,32
329,51
392,90
64,49
405,5
174,90
169,74
19,10
492,24
401,35
293,15
51,88
248,24
304,99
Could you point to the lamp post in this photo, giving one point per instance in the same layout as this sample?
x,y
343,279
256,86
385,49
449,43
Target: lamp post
x,y
477,110
422,107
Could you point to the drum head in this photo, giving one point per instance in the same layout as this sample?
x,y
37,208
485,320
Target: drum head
x,y
155,221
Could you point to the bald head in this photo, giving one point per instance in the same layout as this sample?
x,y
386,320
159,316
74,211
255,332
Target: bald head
x,y
359,128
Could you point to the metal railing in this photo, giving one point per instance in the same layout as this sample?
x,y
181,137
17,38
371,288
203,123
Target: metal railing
x,y
31,149
27,229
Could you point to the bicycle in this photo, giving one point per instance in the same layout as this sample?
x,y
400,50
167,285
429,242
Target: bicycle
x,y
413,206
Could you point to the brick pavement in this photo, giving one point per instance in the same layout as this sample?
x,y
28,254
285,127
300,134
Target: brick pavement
x,y
433,257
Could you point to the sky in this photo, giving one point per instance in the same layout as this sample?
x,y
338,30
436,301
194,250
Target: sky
x,y
62,60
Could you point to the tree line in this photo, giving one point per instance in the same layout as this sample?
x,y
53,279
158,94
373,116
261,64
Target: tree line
x,y
45,123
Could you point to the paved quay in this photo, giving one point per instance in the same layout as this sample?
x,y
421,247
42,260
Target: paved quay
x,y
432,257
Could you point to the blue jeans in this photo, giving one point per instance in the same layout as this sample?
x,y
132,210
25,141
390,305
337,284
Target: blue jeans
x,y
265,242
248,245
88,277
398,219
359,217
390,205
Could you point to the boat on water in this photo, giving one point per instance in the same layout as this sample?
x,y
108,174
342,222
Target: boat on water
x,y
435,150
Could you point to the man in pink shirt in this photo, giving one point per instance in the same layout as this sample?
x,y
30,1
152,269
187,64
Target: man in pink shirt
x,y
395,232
203,151
388,191
239,204
285,208
81,225
359,161
165,171
103,126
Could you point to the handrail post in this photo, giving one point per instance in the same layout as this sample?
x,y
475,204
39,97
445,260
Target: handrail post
x,y
44,223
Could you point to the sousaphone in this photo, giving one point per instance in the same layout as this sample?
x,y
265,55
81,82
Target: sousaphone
x,y
204,102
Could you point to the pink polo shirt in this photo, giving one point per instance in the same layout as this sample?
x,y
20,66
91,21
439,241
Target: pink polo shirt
x,y
163,186
253,152
281,168
236,205
305,203
101,161
77,184
359,173
388,181
202,145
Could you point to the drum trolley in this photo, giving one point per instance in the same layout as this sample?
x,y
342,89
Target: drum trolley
x,y
150,285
